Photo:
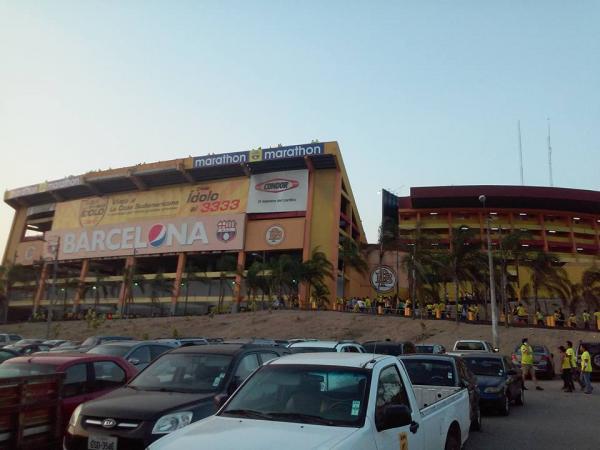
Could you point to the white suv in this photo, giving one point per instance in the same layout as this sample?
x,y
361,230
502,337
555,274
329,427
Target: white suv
x,y
7,339
326,346
473,345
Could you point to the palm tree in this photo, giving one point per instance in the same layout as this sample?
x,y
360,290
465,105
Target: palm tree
x,y
97,288
131,279
192,273
226,263
315,270
351,257
544,273
418,264
590,281
158,285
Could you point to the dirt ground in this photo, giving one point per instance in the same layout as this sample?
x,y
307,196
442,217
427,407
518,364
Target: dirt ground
x,y
304,324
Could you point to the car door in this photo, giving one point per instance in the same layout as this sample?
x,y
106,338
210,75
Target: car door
x,y
513,377
75,388
390,390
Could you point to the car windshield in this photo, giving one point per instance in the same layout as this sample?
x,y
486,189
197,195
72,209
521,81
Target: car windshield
x,y
485,366
8,370
183,372
430,372
383,349
24,342
425,348
89,341
307,394
111,350
470,346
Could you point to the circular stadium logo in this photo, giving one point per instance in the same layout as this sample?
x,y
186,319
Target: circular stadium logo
x,y
157,235
226,230
275,235
383,279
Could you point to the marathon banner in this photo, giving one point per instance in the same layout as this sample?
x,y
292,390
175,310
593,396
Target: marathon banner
x,y
259,154
278,191
214,198
210,233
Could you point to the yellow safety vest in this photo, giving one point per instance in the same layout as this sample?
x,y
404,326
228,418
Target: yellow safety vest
x,y
571,354
526,354
586,317
586,362
566,364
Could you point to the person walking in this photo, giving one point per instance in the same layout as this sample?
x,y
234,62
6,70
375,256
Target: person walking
x,y
572,321
586,369
573,360
527,366
566,370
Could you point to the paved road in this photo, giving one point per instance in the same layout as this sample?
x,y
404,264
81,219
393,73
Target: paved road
x,y
549,420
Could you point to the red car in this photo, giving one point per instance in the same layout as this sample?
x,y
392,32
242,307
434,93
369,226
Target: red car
x,y
87,376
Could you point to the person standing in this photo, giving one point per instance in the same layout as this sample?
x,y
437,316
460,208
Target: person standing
x,y
566,374
587,317
586,369
527,366
597,318
539,318
573,360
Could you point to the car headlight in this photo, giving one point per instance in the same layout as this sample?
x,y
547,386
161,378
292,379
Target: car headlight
x,y
493,389
75,416
171,422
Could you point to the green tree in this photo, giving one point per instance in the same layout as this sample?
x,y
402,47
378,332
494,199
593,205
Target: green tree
x,y
9,275
315,271
158,285
225,265
351,257
545,273
418,264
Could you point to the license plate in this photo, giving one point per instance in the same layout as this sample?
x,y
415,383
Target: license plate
x,y
102,443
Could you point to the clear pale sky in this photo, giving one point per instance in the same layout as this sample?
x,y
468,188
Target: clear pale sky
x,y
417,93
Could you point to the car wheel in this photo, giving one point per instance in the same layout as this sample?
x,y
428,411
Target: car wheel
x,y
505,406
452,443
520,399
476,422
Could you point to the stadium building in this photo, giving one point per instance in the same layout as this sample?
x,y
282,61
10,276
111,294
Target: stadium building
x,y
564,222
190,227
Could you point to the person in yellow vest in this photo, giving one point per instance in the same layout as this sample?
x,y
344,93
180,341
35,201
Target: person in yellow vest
x,y
527,360
572,321
566,370
587,317
522,314
586,369
539,318
429,308
458,308
597,318
573,360
368,304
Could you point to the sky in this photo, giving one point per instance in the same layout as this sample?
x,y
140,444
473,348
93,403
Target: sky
x,y
417,93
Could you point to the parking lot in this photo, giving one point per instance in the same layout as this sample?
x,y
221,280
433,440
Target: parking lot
x,y
550,419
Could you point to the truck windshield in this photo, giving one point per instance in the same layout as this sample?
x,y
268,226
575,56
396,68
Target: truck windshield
x,y
25,369
180,372
485,366
466,345
322,395
430,372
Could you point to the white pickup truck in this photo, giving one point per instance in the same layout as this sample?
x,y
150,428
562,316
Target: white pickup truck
x,y
341,401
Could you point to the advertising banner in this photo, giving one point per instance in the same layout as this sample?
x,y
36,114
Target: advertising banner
x,y
282,234
260,154
214,198
278,192
208,233
29,252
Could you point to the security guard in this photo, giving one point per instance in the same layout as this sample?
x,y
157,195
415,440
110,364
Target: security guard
x,y
527,366
539,318
522,313
587,317
572,320
586,369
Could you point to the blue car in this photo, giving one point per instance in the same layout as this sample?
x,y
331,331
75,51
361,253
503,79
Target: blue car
x,y
499,380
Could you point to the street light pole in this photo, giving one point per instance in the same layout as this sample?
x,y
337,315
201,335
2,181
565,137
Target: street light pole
x,y
495,342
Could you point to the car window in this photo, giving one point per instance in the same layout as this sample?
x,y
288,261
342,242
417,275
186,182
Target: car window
x,y
486,366
4,355
142,354
469,346
350,349
157,350
107,374
246,366
430,372
15,337
390,391
75,380
3,339
267,356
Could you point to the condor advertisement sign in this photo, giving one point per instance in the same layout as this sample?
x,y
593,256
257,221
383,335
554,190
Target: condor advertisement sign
x,y
224,232
215,198
278,192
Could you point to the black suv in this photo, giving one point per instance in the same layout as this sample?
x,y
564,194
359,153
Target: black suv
x,y
181,386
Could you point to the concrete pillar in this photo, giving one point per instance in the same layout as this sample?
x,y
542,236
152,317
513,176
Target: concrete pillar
x,y
303,300
41,289
237,289
81,286
125,288
181,259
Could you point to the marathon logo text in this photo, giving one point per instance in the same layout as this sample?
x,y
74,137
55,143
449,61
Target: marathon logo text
x,y
294,151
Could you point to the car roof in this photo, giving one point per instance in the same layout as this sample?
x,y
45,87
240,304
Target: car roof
x,y
478,355
321,344
471,340
358,360
429,356
58,359
220,349
386,342
134,343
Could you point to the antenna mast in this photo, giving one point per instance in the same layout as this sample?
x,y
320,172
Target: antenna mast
x,y
520,152
550,155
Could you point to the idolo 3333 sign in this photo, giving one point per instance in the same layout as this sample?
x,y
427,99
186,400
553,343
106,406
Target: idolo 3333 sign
x,y
383,279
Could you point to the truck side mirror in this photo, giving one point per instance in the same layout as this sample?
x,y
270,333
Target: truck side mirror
x,y
394,416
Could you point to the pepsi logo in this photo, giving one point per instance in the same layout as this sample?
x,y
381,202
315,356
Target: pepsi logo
x,y
157,235
277,185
